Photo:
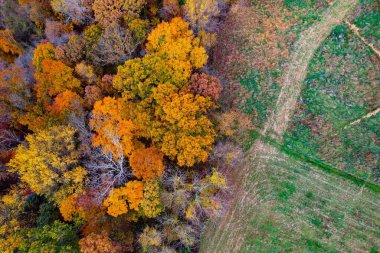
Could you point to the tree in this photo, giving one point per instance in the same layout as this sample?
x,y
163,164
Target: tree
x,y
151,205
199,13
106,171
15,91
76,11
172,53
126,198
54,78
39,10
205,85
56,32
65,103
92,94
47,214
139,28
92,34
43,51
208,39
86,72
14,17
11,208
207,190
99,243
105,84
49,163
58,237
150,239
115,46
174,40
114,133
110,11
132,8
189,134
147,163
73,51
170,9
137,77
68,207
9,48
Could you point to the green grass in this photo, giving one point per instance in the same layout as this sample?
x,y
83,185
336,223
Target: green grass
x,y
304,209
339,89
313,190
367,19
307,12
264,84
264,91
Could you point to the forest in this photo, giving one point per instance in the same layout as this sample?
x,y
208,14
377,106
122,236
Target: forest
x,y
109,119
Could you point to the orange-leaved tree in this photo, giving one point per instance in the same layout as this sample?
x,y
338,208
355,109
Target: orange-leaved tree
x,y
99,243
159,101
113,131
147,163
9,48
65,103
54,78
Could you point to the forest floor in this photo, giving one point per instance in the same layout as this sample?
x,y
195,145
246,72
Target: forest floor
x,y
279,202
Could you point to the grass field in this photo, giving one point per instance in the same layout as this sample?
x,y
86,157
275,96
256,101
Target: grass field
x,y
293,194
263,81
303,209
367,18
342,86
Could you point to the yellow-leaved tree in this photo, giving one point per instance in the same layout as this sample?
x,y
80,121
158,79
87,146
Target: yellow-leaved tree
x,y
189,134
174,40
43,51
48,163
200,12
151,204
172,52
158,99
125,198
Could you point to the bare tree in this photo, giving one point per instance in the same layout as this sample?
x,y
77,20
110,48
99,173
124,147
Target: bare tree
x,y
9,138
115,46
104,169
77,11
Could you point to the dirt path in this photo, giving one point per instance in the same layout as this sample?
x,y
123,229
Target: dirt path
x,y
357,33
229,233
305,48
367,116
